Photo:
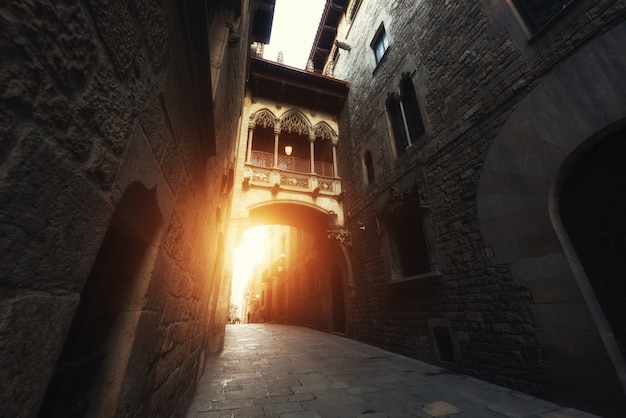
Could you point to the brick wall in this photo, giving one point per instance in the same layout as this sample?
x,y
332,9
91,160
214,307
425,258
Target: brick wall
x,y
97,98
471,64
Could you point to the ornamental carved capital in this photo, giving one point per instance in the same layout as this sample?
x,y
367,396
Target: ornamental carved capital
x,y
341,234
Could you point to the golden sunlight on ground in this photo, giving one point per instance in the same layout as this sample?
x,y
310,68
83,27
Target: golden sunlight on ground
x,y
247,255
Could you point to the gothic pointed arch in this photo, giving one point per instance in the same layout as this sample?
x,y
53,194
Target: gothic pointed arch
x,y
325,140
323,130
519,212
264,118
294,121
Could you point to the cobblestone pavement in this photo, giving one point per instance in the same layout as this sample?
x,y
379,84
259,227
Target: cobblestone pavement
x,y
291,372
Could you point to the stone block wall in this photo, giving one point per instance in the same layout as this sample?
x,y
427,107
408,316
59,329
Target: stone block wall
x,y
471,64
102,105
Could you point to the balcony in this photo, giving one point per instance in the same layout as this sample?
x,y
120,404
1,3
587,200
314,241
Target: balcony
x,y
292,173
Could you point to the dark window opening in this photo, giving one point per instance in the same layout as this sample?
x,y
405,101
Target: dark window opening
x,y
538,13
263,147
405,117
443,344
411,109
593,210
380,44
410,246
323,156
369,166
397,125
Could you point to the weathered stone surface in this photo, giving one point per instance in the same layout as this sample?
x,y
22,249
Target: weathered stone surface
x,y
92,107
156,29
473,66
118,30
29,343
41,250
104,109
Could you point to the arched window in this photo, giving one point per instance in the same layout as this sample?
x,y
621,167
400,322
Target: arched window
x,y
323,156
262,147
294,152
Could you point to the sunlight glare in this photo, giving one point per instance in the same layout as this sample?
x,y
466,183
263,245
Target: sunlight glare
x,y
247,255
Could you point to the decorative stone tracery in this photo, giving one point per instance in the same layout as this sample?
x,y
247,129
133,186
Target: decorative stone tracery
x,y
323,131
295,122
263,118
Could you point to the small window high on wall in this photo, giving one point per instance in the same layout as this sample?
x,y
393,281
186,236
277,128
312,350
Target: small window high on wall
x,y
538,13
380,44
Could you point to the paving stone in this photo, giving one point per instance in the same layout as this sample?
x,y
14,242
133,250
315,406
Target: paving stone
x,y
327,376
301,414
566,413
440,409
281,408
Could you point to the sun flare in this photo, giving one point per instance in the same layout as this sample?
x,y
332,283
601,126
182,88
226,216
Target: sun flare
x,y
247,255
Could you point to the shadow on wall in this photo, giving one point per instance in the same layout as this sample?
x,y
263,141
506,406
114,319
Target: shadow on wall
x,y
92,366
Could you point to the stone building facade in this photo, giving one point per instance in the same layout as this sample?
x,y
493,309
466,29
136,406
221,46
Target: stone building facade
x,y
486,193
287,174
118,123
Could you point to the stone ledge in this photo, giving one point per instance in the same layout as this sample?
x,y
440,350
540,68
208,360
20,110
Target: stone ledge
x,y
425,278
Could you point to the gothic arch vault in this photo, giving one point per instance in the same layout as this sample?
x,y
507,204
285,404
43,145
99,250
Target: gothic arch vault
x,y
328,263
579,102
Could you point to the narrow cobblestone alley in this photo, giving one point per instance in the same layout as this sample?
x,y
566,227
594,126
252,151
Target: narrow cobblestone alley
x,y
292,372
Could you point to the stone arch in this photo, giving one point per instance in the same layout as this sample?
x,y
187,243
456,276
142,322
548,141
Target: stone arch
x,y
324,268
323,130
298,214
293,147
294,121
324,149
517,211
590,220
264,118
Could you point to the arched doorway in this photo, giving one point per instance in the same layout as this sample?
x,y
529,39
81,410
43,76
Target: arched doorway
x,y
100,338
307,285
519,216
338,315
593,211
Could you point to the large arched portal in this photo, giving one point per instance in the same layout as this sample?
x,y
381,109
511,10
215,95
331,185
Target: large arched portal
x,y
520,215
593,210
304,274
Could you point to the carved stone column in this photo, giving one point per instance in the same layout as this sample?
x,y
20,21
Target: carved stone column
x,y
335,158
249,149
312,147
276,136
